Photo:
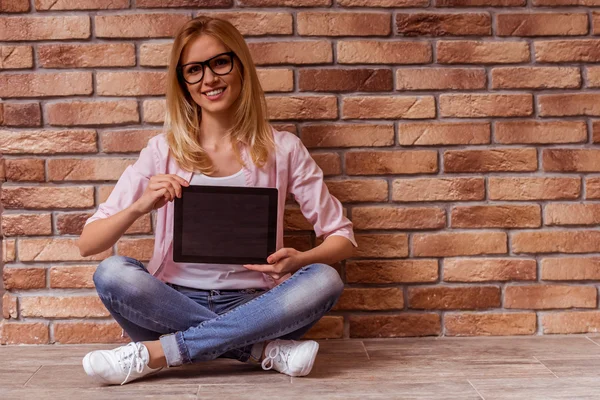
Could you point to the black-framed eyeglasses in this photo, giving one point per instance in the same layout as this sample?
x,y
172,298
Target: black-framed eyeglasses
x,y
193,72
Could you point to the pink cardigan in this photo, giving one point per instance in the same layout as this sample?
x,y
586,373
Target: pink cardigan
x,y
290,169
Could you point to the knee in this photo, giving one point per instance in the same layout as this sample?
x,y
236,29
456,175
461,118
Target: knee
x,y
328,279
110,273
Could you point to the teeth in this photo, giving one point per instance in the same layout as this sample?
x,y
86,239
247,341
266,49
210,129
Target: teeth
x,y
215,92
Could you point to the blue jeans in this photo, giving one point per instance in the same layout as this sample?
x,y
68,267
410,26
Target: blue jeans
x,y
199,325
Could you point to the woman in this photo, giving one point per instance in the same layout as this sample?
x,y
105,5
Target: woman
x,y
216,133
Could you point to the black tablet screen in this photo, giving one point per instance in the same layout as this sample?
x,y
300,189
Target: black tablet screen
x,y
215,225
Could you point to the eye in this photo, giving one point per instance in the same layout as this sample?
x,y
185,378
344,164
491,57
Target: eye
x,y
222,61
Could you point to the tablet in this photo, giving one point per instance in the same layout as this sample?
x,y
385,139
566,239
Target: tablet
x,y
225,225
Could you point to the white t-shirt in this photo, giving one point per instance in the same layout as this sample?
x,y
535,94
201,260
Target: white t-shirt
x,y
213,276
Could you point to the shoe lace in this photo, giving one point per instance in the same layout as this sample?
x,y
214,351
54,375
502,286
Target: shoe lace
x,y
278,354
130,356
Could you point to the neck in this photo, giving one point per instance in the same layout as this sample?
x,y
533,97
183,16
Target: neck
x,y
214,129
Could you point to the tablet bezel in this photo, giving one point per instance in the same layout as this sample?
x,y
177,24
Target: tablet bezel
x,y
228,190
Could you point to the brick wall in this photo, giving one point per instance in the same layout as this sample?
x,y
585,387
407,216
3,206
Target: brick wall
x,y
459,134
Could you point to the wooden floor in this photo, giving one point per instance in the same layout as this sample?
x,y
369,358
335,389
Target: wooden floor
x,y
541,367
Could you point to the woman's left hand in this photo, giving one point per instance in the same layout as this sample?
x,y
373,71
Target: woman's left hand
x,y
282,262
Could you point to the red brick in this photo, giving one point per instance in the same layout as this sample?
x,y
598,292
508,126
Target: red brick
x,y
381,245
302,107
62,307
570,269
370,299
295,220
541,24
486,105
383,3
88,332
284,3
443,133
183,3
131,83
539,297
24,333
572,214
46,84
330,163
86,55
440,78
391,271
38,197
276,79
495,160
384,52
328,327
540,132
562,3
8,250
534,188
388,107
126,140
26,224
22,114
407,218
345,80
16,57
54,5
592,186
14,6
496,324
154,111
151,25
93,112
257,23
536,78
571,160
403,325
55,249
358,190
98,169
338,23
593,77
298,242
571,322
480,3
155,54
24,278
438,189
44,28
453,297
582,241
458,244
9,306
296,52
72,276
497,216
48,141
479,52
25,170
576,50
140,249
73,223
440,24
391,162
347,135
489,269
559,105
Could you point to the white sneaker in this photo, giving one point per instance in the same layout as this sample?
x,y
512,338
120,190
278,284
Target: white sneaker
x,y
291,357
120,365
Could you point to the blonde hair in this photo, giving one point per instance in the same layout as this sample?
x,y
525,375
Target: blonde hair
x,y
182,120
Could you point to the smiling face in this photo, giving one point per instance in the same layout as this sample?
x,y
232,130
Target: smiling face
x,y
215,94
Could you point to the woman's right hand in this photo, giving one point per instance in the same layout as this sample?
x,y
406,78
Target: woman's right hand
x,y
160,190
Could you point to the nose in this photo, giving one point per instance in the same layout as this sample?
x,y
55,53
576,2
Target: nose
x,y
209,76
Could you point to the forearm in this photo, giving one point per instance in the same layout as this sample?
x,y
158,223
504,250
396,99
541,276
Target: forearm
x,y
101,234
333,249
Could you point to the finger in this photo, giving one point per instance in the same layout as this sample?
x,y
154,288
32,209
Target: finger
x,y
176,186
180,180
278,255
258,267
169,187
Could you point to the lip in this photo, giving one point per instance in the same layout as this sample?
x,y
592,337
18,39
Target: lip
x,y
216,97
